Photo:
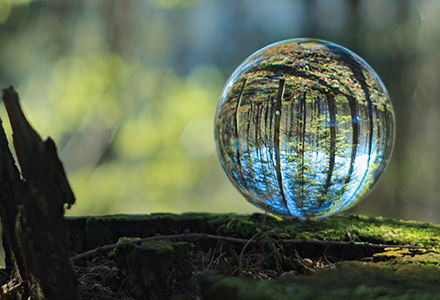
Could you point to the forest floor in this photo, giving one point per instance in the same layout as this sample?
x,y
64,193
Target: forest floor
x,y
228,256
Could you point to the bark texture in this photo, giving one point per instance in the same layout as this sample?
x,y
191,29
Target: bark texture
x,y
32,204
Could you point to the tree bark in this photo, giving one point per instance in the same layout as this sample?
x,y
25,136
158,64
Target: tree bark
x,y
32,213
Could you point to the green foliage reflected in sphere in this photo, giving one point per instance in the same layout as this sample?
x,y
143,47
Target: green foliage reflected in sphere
x,y
304,128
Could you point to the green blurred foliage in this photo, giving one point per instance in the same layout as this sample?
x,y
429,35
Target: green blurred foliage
x,y
135,136
128,90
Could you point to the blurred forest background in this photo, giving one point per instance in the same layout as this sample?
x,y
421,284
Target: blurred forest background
x,y
128,90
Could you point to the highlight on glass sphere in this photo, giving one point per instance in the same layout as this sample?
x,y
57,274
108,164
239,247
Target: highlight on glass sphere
x,y
304,128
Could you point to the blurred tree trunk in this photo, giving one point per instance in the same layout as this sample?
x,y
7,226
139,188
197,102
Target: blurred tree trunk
x,y
402,87
353,25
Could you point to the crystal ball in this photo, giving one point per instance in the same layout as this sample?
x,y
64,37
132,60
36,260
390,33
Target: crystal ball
x,y
304,128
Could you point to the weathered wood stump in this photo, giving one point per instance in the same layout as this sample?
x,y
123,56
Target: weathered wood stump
x,y
31,210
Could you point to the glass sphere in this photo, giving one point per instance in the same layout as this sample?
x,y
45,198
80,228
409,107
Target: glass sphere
x,y
304,128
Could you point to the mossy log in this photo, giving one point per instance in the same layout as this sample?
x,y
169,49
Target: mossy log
x,y
262,257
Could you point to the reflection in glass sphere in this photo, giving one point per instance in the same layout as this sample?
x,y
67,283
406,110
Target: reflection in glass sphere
x,y
304,128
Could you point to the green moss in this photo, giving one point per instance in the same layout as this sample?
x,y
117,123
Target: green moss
x,y
358,228
396,273
112,253
349,280
99,224
234,225
338,228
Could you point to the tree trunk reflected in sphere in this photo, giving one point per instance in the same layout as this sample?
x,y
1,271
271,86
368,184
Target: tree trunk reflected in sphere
x,y
304,128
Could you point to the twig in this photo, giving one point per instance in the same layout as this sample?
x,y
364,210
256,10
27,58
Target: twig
x,y
303,262
351,243
7,290
155,238
211,260
240,262
236,240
